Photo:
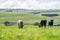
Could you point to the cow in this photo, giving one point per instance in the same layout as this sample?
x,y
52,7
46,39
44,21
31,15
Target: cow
x,y
43,23
50,23
20,24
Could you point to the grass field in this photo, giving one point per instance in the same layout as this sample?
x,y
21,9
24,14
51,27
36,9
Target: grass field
x,y
29,32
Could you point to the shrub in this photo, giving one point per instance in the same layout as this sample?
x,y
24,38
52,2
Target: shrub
x,y
7,23
36,23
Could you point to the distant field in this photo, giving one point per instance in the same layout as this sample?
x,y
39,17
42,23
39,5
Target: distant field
x,y
29,32
26,17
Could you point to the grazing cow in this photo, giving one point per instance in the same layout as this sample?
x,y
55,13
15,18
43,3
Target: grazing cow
x,y
43,23
50,23
20,23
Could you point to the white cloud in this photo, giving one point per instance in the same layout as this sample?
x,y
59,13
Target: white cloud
x,y
29,4
50,5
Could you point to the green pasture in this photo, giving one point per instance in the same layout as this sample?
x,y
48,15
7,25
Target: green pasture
x,y
26,17
29,32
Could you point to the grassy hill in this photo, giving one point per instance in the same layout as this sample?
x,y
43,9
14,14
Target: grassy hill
x,y
29,32
26,17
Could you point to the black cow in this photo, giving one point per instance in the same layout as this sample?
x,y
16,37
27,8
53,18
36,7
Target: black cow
x,y
50,23
43,23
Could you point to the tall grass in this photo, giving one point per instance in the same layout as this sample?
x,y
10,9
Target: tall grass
x,y
29,32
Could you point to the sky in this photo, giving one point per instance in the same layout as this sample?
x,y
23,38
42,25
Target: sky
x,y
30,4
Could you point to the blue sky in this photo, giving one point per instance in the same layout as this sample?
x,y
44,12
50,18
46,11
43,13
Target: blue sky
x,y
30,4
